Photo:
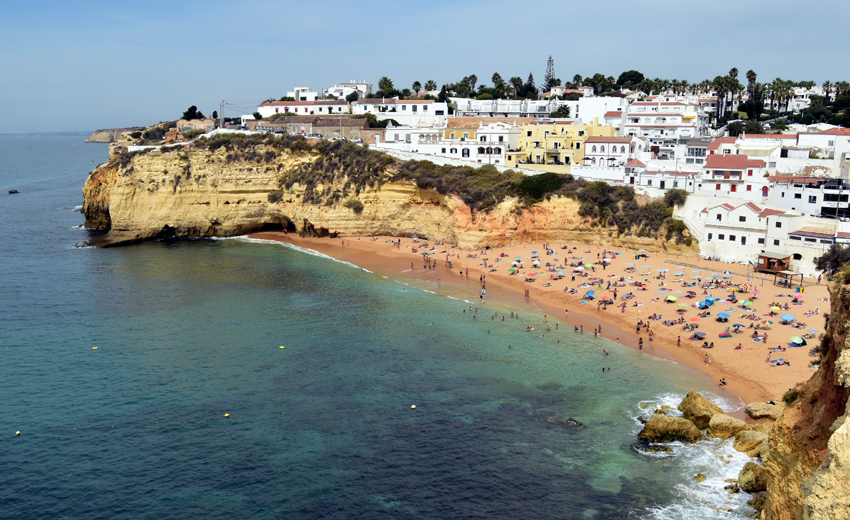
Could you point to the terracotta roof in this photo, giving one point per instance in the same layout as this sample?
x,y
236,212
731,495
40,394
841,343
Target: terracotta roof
x,y
792,178
614,113
731,162
753,207
603,139
302,103
635,162
837,131
714,145
843,234
813,234
770,212
704,210
770,136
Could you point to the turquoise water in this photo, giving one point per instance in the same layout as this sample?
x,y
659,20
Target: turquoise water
x,y
188,331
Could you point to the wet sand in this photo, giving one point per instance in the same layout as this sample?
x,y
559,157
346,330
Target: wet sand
x,y
746,371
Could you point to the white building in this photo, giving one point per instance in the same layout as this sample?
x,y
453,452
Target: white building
x,y
343,90
506,107
304,108
408,112
610,151
665,123
303,94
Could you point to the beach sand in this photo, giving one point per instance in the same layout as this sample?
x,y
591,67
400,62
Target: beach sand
x,y
747,372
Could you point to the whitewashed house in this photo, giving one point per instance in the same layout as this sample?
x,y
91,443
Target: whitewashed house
x,y
304,108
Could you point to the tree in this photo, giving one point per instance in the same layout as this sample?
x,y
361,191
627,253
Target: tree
x,y
385,84
257,116
754,105
443,96
430,85
215,114
530,89
405,93
416,87
675,197
630,79
562,111
354,96
516,85
473,79
549,77
827,88
833,259
753,127
735,129
192,113
497,78
751,80
577,80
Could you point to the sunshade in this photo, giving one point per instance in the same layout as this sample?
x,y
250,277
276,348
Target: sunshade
x,y
630,263
727,276
642,251
788,317
645,266
590,293
813,330
727,272
588,265
775,308
663,270
694,319
678,273
699,334
561,272
797,339
738,325
697,270
671,298
697,277
683,305
722,315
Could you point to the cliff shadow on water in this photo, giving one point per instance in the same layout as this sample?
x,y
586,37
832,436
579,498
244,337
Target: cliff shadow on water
x,y
233,184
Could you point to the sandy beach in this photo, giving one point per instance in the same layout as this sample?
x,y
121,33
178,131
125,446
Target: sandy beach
x,y
663,292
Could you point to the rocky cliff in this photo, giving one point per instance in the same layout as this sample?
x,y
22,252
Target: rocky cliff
x,y
108,135
202,191
808,453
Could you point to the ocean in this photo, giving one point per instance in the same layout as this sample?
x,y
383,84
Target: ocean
x,y
507,424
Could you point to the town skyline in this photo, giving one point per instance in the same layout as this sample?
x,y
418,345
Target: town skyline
x,y
121,66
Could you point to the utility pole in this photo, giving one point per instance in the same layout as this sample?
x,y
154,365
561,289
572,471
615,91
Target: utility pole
x,y
221,114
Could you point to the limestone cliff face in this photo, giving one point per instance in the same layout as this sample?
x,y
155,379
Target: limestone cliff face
x,y
808,454
108,135
201,193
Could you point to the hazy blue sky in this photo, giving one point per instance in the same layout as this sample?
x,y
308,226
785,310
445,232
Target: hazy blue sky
x,y
96,64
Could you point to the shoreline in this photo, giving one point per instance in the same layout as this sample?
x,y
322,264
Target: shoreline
x,y
750,377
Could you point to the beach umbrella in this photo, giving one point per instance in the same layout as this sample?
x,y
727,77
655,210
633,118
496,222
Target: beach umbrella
x,y
767,322
561,272
511,270
738,325
590,293
727,272
534,252
697,270
691,293
710,299
532,274
663,270
579,268
630,263
588,265
642,251
645,266
775,308
797,296
679,273
606,260
699,334
746,302
694,319
671,298
788,317
813,330
798,340
683,305
727,276
754,292
518,257
723,315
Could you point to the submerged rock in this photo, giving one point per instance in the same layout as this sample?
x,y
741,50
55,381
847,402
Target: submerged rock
x,y
698,409
753,478
723,426
700,477
764,411
750,441
661,428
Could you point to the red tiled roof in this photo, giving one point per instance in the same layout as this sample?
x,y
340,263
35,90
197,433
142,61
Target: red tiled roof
x,y
704,210
614,113
791,178
727,206
635,162
714,145
842,234
837,131
731,162
753,207
770,212
302,103
770,136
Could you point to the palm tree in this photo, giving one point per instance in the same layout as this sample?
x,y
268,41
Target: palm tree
x,y
473,79
719,85
841,88
430,85
416,87
577,80
516,85
385,84
827,88
496,78
751,80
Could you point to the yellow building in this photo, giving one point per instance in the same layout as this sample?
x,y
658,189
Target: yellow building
x,y
554,147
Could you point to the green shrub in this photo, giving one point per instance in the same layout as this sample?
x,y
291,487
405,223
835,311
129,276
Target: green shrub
x,y
791,395
191,134
354,205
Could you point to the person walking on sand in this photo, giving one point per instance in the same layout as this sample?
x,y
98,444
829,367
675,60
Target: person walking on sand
x,y
679,341
640,343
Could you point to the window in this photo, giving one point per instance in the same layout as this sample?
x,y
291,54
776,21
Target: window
x,y
721,236
783,194
403,108
718,187
466,135
649,182
731,238
811,240
761,241
622,149
743,241
425,108
594,149
797,256
528,134
813,199
443,150
734,187
578,146
602,149
749,173
501,139
719,217
709,236
742,218
792,237
497,151
749,187
465,152
776,242
481,150
581,133
798,195
779,224
483,138
452,136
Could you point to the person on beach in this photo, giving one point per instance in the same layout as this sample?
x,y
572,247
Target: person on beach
x,y
640,343
679,341
582,329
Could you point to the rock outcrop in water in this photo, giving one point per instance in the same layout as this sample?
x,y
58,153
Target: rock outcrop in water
x,y
203,191
661,428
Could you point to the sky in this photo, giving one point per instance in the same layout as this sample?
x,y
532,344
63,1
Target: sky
x,y
79,66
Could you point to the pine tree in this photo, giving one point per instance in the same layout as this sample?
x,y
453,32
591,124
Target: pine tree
x,y
530,89
549,78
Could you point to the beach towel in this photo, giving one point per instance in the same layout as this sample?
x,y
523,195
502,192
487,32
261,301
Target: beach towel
x,y
725,335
